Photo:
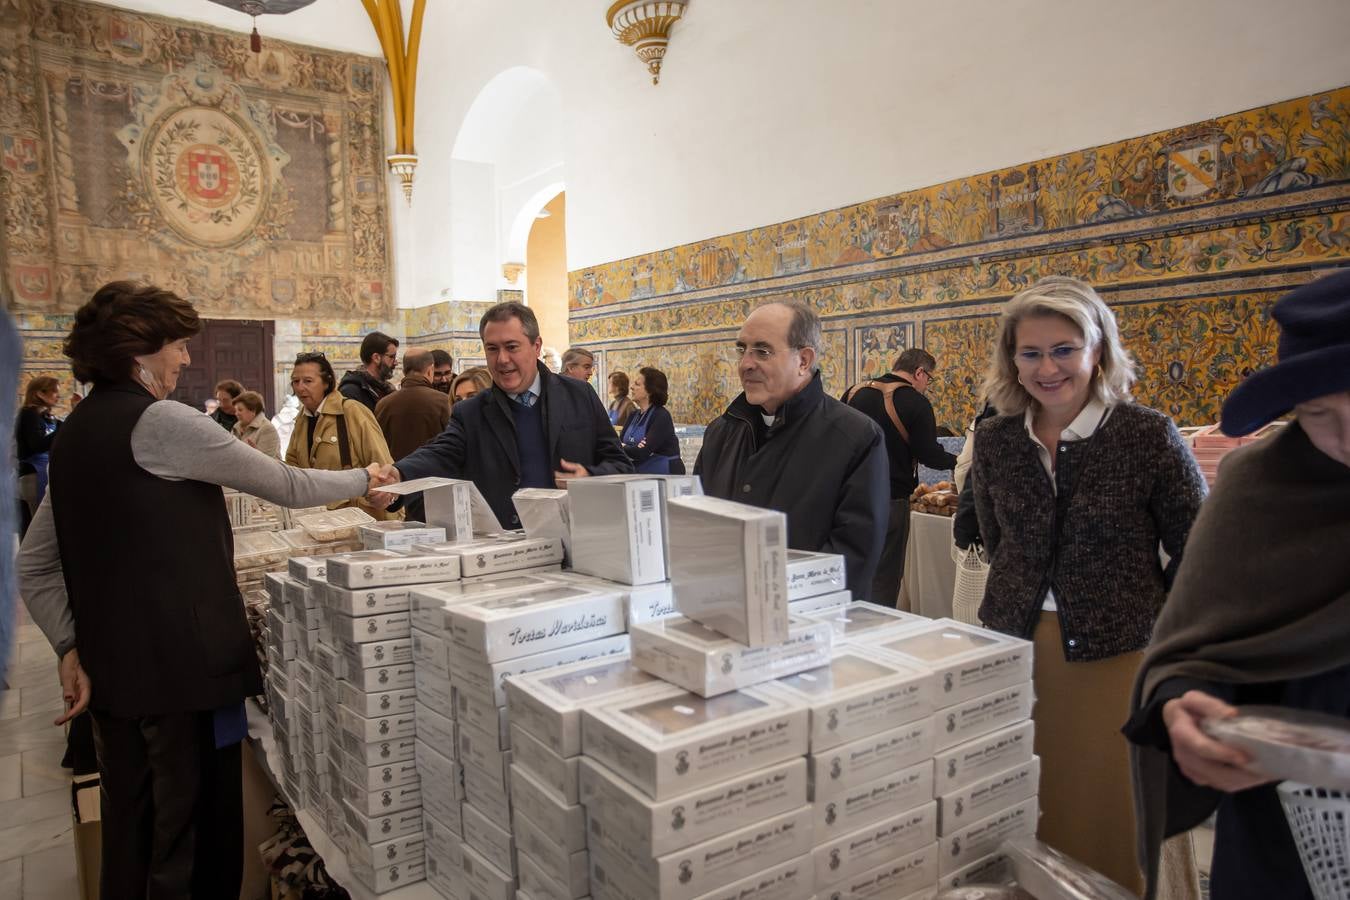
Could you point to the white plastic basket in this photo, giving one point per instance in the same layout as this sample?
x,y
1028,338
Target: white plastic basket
x,y
1319,820
972,573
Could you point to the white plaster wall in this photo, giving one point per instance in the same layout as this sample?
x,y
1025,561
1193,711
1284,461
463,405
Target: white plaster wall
x,y
771,109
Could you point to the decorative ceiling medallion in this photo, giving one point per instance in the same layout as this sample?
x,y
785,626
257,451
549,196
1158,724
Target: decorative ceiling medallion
x,y
645,26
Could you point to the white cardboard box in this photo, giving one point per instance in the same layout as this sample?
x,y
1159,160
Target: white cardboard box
x,y
559,775
431,652
874,801
641,828
854,853
381,801
359,730
535,802
390,877
544,513
996,868
471,710
443,870
792,880
379,568
497,844
671,742
729,568
481,750
395,652
616,529
642,602
507,627
364,629
373,778
556,861
485,794
861,620
430,605
858,693
470,673
987,796
434,691
713,863
984,836
442,786
328,661
380,855
482,877
505,552
381,752
540,884
810,574
969,661
548,702
396,534
839,769
368,601
436,730
446,502
382,678
702,660
899,879
387,826
821,603
373,705
303,568
983,714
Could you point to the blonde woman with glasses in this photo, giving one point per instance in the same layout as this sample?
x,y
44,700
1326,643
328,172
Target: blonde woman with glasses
x,y
1077,488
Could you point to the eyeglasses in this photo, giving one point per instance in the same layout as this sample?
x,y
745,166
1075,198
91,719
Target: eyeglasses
x,y
763,354
927,373
1060,354
309,357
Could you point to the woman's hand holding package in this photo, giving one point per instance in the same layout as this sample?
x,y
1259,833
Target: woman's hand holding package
x,y
1202,759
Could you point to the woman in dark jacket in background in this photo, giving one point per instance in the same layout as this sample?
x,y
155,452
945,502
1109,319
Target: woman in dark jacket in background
x,y
649,436
34,430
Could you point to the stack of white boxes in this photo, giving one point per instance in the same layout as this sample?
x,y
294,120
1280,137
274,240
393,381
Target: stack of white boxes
x,y
985,776
282,669
698,788
545,707
373,726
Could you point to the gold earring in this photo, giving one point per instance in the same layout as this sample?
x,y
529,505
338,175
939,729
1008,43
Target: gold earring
x,y
1098,372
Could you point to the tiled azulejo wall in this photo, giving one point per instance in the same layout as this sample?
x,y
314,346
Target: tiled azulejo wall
x,y
1191,235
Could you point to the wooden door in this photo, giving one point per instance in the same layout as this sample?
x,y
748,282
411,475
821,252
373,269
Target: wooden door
x,y
229,348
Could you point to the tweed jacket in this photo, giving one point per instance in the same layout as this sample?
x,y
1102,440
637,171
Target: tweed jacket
x,y
1094,538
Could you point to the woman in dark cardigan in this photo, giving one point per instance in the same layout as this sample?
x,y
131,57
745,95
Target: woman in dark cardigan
x,y
1261,609
649,436
1076,487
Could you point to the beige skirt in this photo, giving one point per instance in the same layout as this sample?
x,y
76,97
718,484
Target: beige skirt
x,y
1087,805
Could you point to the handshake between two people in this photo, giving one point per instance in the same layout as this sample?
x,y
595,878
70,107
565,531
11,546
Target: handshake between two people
x,y
379,476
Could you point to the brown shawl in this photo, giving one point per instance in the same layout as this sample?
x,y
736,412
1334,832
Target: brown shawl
x,y
1262,595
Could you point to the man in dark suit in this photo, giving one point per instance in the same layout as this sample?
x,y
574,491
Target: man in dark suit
x,y
533,429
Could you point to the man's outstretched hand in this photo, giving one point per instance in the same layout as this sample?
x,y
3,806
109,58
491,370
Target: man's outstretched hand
x,y
381,476
569,471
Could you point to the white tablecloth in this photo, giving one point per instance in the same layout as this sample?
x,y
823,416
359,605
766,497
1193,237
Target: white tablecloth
x,y
930,573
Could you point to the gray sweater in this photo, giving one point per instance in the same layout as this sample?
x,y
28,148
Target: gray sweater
x,y
175,442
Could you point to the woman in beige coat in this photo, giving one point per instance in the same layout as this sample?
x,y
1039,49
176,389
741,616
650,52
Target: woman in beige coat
x,y
252,427
331,431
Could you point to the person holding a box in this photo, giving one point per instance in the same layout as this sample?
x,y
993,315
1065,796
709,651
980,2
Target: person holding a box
x,y
1261,609
783,444
1076,487
147,620
532,429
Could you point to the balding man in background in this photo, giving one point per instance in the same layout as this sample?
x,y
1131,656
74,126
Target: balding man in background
x,y
783,444
416,412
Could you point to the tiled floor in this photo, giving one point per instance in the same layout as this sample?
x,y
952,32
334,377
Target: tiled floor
x,y
37,854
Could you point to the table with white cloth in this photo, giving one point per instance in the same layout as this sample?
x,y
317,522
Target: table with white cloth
x,y
930,572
